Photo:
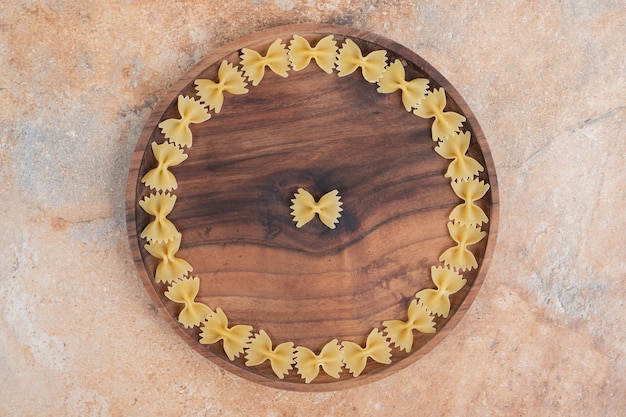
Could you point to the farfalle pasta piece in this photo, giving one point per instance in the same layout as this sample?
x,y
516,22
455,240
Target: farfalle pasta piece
x,y
459,256
170,268
282,358
184,292
455,147
304,207
230,79
438,301
324,53
376,347
234,339
167,155
469,213
159,205
350,58
308,363
177,130
276,59
393,79
401,332
446,122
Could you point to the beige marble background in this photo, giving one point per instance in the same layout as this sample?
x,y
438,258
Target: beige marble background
x,y
79,335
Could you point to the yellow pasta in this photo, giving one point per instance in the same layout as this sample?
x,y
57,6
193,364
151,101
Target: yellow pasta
x,y
177,130
308,363
211,93
324,53
282,358
161,229
393,79
350,58
376,347
184,292
465,226
459,256
305,207
170,268
161,178
446,122
276,59
469,213
447,282
400,333
462,167
234,339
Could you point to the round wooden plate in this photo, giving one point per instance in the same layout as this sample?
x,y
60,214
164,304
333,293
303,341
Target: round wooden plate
x,y
319,132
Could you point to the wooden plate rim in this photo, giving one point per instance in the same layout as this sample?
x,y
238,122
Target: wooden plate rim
x,y
285,32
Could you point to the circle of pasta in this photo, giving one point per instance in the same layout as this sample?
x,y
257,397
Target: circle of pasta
x,y
464,227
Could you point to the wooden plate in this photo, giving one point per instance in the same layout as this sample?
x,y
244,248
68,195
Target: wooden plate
x,y
319,132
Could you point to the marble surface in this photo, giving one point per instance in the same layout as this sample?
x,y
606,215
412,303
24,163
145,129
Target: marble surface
x,y
79,335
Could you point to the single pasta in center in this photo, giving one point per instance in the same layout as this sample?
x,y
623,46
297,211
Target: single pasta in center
x,y
328,208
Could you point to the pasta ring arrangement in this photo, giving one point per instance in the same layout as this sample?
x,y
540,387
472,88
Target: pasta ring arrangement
x,y
251,344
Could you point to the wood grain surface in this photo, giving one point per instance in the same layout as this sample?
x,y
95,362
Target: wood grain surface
x,y
319,132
